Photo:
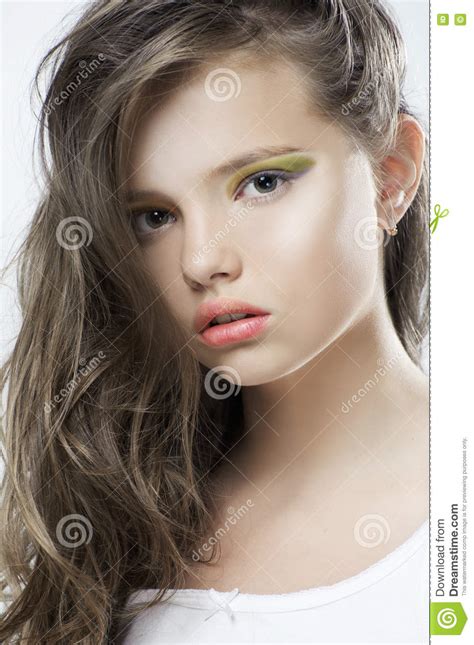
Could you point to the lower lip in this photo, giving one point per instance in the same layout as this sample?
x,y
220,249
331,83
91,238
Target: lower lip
x,y
235,331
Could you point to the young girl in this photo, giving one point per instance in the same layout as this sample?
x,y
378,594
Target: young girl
x,y
215,403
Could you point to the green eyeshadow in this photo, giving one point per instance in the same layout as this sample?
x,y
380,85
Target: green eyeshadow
x,y
293,162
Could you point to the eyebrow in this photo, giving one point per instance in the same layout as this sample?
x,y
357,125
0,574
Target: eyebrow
x,y
258,154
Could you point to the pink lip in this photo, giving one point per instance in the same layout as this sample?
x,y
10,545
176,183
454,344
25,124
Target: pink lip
x,y
209,310
235,331
231,332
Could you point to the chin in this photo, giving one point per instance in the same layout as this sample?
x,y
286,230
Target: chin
x,y
257,364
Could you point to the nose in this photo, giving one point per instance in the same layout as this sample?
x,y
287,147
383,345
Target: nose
x,y
210,253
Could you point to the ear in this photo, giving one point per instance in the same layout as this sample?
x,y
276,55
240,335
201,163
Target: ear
x,y
401,172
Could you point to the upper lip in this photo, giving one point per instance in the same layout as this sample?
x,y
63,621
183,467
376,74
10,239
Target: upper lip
x,y
209,310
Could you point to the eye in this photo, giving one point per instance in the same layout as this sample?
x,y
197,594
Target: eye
x,y
146,222
264,185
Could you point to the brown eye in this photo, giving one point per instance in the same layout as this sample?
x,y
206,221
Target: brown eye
x,y
149,221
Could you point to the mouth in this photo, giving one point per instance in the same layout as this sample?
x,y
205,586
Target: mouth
x,y
233,328
227,318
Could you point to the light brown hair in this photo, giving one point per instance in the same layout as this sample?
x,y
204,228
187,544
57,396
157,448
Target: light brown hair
x,y
107,424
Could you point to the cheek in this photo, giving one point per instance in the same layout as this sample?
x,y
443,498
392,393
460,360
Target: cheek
x,y
161,262
165,274
323,273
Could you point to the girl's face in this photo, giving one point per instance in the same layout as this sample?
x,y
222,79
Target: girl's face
x,y
240,191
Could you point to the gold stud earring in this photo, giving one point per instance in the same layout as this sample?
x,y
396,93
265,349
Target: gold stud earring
x,y
393,230
401,197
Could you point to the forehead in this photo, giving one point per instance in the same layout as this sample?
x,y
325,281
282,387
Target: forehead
x,y
221,111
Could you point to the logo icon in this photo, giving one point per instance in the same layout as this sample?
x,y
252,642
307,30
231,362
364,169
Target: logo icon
x,y
447,618
460,19
443,19
438,215
222,84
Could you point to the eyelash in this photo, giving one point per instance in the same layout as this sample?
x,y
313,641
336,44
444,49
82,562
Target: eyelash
x,y
287,178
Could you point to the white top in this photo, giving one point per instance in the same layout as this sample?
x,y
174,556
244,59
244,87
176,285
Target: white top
x,y
386,603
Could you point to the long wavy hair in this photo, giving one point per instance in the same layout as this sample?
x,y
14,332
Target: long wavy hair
x,y
109,434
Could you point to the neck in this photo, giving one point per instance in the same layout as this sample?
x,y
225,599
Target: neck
x,y
362,383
